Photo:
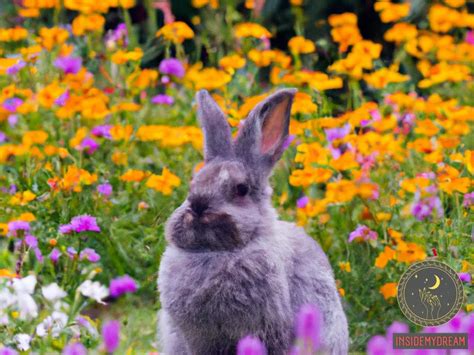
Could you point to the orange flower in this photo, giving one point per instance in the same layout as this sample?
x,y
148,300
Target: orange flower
x,y
176,32
163,183
249,29
133,175
301,45
389,290
390,12
384,257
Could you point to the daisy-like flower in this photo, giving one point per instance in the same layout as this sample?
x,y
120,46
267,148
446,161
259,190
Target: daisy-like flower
x,y
15,226
94,290
22,341
53,292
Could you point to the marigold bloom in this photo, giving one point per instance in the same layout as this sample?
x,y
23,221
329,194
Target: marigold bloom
x,y
389,290
163,183
83,24
176,32
390,12
133,176
250,29
301,45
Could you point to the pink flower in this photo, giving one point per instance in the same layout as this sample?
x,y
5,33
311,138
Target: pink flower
x,y
250,346
122,285
308,328
362,233
111,335
69,65
171,66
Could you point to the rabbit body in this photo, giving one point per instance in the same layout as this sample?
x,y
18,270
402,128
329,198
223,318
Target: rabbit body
x,y
213,299
231,268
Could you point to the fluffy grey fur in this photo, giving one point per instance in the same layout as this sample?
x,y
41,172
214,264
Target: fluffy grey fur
x,y
231,268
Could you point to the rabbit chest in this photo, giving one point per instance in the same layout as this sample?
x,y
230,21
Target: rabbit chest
x,y
215,294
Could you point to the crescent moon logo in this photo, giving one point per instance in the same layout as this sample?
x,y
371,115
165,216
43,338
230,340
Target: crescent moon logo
x,y
436,284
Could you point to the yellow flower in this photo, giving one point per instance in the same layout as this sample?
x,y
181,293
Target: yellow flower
x,y
299,44
381,78
176,32
122,57
309,175
50,37
346,18
77,139
455,3
250,29
443,19
384,257
389,290
233,61
201,3
7,274
345,266
22,198
142,79
83,24
126,106
401,32
27,217
390,12
346,35
163,183
119,132
303,104
207,78
119,158
341,191
75,177
87,6
133,175
34,137
14,34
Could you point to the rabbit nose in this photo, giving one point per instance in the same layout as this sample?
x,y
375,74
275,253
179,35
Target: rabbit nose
x,y
199,206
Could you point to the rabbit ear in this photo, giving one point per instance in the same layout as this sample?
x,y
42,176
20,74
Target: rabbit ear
x,y
217,135
262,138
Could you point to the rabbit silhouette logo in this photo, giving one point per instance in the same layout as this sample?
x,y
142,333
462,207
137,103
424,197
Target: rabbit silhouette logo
x,y
430,293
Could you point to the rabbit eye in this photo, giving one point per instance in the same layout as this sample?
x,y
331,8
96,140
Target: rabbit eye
x,y
242,190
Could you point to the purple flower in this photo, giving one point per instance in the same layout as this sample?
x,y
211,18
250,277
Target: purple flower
x,y
117,36
31,241
288,141
105,189
84,223
337,133
308,327
111,335
75,349
102,131
12,104
12,120
171,66
15,226
89,254
470,37
362,233
468,200
122,285
424,208
3,137
377,345
61,100
38,254
15,68
69,65
54,255
465,277
71,252
250,346
162,99
65,229
302,202
89,145
8,351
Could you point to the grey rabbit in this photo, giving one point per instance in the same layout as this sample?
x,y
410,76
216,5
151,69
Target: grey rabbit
x,y
231,268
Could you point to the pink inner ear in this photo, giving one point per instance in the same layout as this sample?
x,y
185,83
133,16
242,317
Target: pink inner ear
x,y
273,127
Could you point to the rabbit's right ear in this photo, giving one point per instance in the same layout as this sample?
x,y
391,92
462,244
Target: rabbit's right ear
x,y
217,135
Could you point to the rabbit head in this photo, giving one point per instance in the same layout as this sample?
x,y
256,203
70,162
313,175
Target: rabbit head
x,y
229,198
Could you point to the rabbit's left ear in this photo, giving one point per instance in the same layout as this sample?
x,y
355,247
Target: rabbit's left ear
x,y
217,135
262,138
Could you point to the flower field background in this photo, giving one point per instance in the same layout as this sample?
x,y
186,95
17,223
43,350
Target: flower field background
x,y
99,139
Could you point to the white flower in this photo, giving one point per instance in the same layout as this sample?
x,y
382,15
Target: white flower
x,y
26,304
53,292
22,341
94,290
25,285
55,323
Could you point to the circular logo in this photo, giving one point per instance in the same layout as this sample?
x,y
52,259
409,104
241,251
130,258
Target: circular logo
x,y
430,293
